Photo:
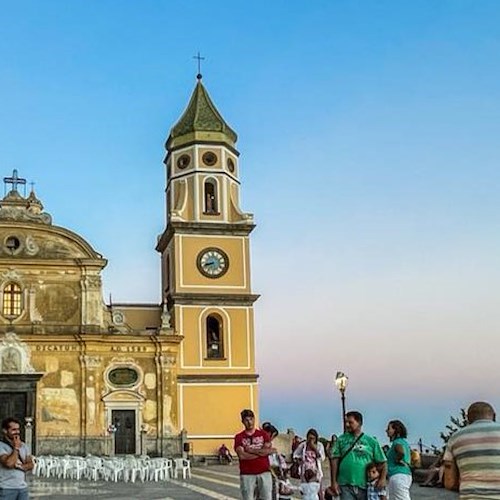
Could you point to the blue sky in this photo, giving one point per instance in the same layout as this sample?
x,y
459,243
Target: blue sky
x,y
369,140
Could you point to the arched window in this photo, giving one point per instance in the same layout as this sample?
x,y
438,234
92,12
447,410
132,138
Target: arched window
x,y
211,202
214,334
12,300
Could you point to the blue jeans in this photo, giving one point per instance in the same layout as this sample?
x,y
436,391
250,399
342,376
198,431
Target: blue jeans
x,y
352,493
12,494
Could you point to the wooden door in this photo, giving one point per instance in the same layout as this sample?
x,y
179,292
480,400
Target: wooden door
x,y
125,441
13,404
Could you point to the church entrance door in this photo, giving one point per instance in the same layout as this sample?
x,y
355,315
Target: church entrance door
x,y
13,404
125,438
18,399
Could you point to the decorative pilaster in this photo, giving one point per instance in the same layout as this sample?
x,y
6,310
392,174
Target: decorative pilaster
x,y
92,310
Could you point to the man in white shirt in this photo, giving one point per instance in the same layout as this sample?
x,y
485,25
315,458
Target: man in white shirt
x,y
15,461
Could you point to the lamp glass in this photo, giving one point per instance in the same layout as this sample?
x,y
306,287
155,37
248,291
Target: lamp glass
x,y
341,381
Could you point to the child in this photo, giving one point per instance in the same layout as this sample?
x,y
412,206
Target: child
x,y
372,492
285,488
310,489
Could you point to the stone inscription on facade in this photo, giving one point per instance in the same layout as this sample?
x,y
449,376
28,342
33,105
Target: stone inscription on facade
x,y
57,348
129,348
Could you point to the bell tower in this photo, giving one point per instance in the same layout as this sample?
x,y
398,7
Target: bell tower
x,y
206,275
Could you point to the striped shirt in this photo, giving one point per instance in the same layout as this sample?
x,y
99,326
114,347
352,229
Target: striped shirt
x,y
476,451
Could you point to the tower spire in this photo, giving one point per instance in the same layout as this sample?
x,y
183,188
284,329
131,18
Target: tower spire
x,y
201,122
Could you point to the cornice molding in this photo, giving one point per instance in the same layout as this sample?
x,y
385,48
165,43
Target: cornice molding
x,y
202,228
208,378
212,299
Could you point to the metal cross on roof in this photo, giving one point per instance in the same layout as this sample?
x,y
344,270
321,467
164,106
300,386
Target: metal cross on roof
x,y
198,56
15,180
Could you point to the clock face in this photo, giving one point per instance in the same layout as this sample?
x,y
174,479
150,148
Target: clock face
x,y
213,262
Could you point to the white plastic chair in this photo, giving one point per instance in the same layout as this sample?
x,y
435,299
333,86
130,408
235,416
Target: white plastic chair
x,y
160,469
113,470
134,469
38,465
78,467
50,467
94,469
183,465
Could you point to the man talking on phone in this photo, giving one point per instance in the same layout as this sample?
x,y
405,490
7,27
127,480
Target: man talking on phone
x,y
15,461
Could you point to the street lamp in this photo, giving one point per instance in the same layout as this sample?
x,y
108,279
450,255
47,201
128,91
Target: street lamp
x,y
341,384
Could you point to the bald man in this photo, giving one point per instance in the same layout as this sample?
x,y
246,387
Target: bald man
x,y
472,457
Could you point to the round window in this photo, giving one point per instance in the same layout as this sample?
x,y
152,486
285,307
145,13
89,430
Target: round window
x,y
209,158
183,161
230,165
12,244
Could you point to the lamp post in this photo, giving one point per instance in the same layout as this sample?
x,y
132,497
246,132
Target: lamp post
x,y
341,384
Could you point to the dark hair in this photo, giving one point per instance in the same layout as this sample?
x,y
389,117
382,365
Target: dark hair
x,y
314,432
309,475
9,420
370,466
356,416
399,427
480,410
247,413
270,429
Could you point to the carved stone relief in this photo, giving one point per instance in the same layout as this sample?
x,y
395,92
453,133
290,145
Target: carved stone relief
x,y
11,275
92,362
32,247
15,356
11,360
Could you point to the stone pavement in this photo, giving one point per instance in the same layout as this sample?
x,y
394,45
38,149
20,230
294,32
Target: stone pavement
x,y
218,482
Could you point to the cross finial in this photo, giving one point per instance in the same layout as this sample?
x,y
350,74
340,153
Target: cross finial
x,y
14,180
199,58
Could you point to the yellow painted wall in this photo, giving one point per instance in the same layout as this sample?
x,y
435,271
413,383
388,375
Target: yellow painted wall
x,y
189,278
238,338
214,409
212,414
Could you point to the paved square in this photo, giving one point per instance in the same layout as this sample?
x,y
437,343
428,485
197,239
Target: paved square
x,y
218,482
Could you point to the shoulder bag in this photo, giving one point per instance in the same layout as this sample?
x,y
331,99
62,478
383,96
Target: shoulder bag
x,y
351,447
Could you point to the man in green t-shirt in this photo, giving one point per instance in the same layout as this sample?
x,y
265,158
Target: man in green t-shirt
x,y
352,452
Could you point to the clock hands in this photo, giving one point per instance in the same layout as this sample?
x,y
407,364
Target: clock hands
x,y
212,263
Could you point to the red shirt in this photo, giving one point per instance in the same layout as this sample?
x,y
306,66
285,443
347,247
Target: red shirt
x,y
254,441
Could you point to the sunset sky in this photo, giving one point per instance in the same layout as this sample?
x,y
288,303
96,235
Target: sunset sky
x,y
369,138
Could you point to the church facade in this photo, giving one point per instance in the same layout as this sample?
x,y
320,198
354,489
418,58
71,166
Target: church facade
x,y
90,377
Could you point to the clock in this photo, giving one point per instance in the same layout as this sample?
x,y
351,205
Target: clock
x,y
212,262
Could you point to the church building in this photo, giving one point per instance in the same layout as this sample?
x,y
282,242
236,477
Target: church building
x,y
89,377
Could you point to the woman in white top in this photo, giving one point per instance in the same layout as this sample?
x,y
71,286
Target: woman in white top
x,y
310,453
